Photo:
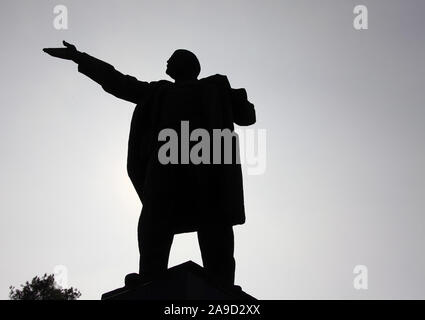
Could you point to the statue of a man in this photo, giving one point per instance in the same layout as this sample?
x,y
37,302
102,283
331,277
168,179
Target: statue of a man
x,y
184,197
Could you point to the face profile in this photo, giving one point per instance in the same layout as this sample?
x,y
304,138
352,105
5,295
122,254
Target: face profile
x,y
183,65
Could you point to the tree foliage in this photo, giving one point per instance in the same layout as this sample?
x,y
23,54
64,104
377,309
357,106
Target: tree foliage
x,y
44,288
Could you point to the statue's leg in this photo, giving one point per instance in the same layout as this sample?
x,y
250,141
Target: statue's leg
x,y
155,241
217,247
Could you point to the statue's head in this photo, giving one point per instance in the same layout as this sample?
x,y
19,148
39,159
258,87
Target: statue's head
x,y
183,65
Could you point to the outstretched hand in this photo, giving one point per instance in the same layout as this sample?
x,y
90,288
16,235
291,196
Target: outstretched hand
x,y
69,52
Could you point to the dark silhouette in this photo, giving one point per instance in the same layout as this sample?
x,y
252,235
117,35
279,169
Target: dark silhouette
x,y
187,281
43,288
207,198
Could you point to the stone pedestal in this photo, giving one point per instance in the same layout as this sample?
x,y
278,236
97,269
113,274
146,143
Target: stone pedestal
x,y
187,281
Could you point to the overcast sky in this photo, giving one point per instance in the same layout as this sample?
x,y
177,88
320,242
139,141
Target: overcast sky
x,y
344,114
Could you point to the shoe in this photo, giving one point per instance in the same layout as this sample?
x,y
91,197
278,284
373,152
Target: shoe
x,y
132,280
237,288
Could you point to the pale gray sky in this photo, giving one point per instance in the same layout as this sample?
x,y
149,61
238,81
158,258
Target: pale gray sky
x,y
343,109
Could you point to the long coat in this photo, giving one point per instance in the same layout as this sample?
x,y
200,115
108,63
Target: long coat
x,y
184,196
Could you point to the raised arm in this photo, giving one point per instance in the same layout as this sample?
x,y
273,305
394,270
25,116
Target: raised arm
x,y
112,81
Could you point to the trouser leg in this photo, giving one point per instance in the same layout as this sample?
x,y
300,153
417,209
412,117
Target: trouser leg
x,y
217,247
154,246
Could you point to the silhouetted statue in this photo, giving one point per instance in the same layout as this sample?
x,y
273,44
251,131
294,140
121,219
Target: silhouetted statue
x,y
178,198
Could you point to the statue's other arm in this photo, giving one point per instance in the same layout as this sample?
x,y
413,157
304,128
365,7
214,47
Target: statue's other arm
x,y
112,81
243,110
